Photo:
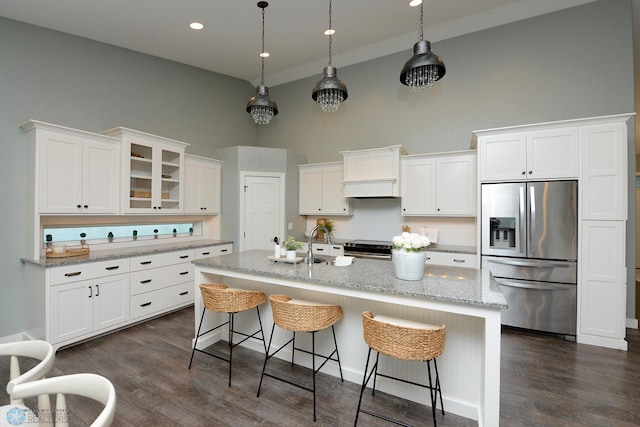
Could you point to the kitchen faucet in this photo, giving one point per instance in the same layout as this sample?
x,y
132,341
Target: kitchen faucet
x,y
311,234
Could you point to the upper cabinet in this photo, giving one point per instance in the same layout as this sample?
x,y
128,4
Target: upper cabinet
x,y
439,184
201,185
322,190
529,155
75,172
152,172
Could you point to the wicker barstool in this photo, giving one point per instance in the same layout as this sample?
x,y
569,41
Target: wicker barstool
x,y
303,316
404,340
223,299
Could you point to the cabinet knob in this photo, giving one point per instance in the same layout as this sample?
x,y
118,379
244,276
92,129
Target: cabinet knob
x,y
155,207
78,206
85,206
530,172
523,172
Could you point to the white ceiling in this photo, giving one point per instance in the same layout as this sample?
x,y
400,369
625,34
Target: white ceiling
x,y
230,42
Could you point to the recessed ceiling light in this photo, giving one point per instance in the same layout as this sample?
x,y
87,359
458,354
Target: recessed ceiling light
x,y
196,26
413,3
329,32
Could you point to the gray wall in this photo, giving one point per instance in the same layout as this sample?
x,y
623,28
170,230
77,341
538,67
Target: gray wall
x,y
569,64
66,80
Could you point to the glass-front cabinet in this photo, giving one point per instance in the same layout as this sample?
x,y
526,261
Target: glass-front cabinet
x,y
152,172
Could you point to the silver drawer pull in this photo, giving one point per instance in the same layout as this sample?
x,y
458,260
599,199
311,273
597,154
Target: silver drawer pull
x,y
146,281
459,260
145,304
75,273
183,273
184,293
115,267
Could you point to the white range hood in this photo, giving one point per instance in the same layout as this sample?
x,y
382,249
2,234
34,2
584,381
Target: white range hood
x,y
372,173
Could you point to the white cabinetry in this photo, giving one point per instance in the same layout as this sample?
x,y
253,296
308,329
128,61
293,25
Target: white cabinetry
x,y
76,172
594,150
439,184
87,299
513,154
604,171
451,259
161,282
152,169
321,190
208,251
201,185
324,249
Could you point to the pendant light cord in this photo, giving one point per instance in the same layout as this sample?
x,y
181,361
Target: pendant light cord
x,y
262,53
421,22
330,28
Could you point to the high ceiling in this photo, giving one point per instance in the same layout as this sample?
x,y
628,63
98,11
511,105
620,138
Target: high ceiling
x,y
230,41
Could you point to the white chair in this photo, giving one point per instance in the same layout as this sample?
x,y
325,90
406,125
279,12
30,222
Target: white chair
x,y
36,349
92,386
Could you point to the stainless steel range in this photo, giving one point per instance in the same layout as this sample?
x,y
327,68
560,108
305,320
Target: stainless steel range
x,y
368,249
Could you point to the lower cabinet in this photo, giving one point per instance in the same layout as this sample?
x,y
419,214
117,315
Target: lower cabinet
x,y
75,302
451,259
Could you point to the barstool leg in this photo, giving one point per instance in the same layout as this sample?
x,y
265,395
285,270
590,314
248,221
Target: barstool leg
x,y
266,357
231,319
435,364
375,374
264,342
313,367
365,380
335,342
197,336
293,348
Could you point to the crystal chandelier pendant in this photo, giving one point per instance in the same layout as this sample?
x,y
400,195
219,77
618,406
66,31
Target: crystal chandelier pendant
x,y
422,78
330,99
262,115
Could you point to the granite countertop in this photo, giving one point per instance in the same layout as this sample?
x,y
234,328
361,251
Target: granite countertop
x,y
447,284
460,249
107,255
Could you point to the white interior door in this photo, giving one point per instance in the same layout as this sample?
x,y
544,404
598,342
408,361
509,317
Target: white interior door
x,y
263,211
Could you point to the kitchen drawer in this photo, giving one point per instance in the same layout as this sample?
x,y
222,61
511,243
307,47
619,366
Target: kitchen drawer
x,y
161,300
451,259
161,277
74,273
214,250
160,260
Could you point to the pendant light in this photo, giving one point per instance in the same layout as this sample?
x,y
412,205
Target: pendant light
x,y
329,92
261,107
424,68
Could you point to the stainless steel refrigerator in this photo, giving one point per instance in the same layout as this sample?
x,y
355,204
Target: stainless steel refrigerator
x,y
530,244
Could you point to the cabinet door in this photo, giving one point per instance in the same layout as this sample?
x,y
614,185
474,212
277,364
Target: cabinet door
x,y
310,191
192,187
70,310
333,200
602,288
603,184
503,157
553,154
60,169
456,186
418,186
111,301
210,189
100,177
168,195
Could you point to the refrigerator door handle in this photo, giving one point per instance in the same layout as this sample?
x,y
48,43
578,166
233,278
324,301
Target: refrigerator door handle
x,y
537,286
532,220
524,263
522,205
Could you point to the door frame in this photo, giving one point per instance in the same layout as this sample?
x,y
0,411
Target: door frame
x,y
243,176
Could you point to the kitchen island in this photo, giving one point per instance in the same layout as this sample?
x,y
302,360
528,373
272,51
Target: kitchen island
x,y
467,300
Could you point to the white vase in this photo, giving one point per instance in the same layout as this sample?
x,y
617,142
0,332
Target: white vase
x,y
408,265
291,254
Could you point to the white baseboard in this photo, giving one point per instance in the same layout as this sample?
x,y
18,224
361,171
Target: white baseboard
x,y
632,323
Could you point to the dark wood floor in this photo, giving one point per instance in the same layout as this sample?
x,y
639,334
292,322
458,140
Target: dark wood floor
x,y
545,381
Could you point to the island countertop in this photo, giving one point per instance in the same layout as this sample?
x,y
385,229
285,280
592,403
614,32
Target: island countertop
x,y
446,284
